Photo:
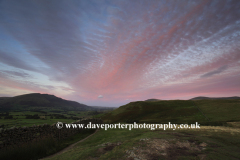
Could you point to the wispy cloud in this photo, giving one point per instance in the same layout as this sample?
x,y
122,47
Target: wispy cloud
x,y
217,71
9,59
15,74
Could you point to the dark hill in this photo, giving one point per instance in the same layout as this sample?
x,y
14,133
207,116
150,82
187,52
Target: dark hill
x,y
202,98
37,101
3,98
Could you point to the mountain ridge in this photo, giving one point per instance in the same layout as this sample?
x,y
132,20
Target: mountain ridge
x,y
39,101
202,97
152,100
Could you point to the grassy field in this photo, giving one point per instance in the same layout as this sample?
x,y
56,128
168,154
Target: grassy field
x,y
19,118
206,143
30,122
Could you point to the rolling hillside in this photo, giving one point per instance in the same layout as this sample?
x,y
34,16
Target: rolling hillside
x,y
220,109
37,101
176,111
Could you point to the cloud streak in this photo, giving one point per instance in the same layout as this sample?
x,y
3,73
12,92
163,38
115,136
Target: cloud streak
x,y
217,71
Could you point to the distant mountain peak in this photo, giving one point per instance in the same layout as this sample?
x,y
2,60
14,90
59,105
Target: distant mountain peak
x,y
152,100
202,97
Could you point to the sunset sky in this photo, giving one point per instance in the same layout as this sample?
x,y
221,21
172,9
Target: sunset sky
x,y
112,52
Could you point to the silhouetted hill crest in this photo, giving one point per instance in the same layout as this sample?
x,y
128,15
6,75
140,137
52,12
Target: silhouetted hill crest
x,y
152,100
40,100
202,97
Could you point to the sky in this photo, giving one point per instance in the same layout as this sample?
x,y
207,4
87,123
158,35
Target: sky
x,y
112,52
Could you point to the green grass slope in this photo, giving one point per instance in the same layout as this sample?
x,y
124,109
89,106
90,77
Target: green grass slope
x,y
222,110
122,144
176,111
